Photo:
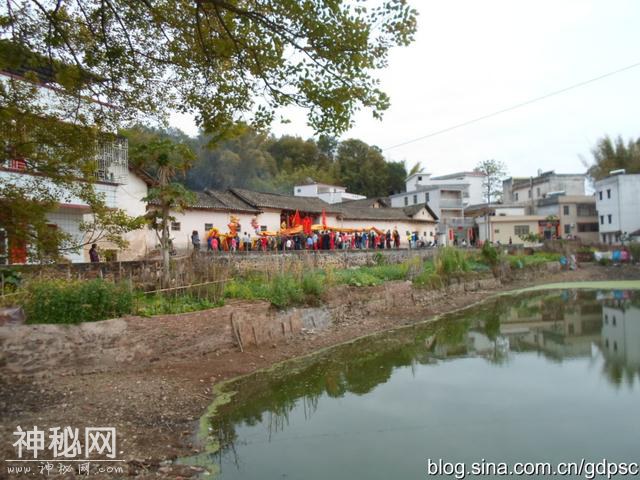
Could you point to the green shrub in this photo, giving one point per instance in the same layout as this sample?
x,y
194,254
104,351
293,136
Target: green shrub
x,y
379,259
60,301
428,279
284,291
450,261
313,284
10,280
490,254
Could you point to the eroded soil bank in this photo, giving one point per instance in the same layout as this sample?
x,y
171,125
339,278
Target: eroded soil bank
x,y
151,378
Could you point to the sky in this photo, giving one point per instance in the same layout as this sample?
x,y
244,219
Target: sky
x,y
471,58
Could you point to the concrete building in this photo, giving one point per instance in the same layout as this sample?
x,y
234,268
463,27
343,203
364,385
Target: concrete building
x,y
576,213
326,193
470,182
618,206
527,191
621,335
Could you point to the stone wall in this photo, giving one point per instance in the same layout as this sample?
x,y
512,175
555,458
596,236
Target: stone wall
x,y
193,268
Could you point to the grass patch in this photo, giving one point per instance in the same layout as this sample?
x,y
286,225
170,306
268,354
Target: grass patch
x,y
63,301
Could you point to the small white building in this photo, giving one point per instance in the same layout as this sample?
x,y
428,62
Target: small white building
x,y
325,192
618,206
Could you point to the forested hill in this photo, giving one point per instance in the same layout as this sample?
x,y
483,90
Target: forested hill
x,y
267,163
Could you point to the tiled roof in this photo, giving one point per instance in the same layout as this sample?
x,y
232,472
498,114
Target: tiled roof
x,y
283,202
413,209
229,201
367,202
364,213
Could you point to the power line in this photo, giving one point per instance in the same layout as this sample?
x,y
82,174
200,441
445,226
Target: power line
x,y
514,107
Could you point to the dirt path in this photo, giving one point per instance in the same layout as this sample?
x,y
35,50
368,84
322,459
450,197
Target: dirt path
x,y
151,378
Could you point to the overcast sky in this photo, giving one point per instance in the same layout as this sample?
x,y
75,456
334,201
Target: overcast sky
x,y
471,58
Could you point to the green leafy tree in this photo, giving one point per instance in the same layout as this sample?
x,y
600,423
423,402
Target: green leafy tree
x,y
216,58
615,154
362,168
163,159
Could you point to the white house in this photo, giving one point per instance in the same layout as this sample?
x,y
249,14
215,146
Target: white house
x,y
528,190
326,193
618,206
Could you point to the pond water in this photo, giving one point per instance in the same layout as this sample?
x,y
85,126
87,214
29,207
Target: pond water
x,y
538,377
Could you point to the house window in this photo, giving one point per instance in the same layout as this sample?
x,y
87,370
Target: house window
x,y
608,193
538,191
415,199
299,190
426,197
600,194
601,219
420,178
565,209
521,230
175,226
516,196
587,227
496,231
586,210
613,321
609,218
208,226
529,193
567,229
406,201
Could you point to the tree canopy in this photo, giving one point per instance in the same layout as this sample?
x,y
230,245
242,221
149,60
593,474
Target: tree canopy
x,y
214,58
609,154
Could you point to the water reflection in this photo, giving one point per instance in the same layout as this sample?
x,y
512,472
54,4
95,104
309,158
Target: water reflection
x,y
590,328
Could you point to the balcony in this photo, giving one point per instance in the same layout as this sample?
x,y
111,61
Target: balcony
x,y
451,203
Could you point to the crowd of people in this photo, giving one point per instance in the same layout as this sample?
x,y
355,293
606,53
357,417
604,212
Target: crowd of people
x,y
318,240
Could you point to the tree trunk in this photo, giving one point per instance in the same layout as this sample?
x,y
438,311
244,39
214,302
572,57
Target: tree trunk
x,y
165,244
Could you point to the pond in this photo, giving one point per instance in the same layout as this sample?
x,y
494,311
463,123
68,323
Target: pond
x,y
549,376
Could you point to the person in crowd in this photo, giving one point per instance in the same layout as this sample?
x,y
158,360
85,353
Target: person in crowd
x,y
93,253
263,243
408,234
310,242
388,239
396,238
195,240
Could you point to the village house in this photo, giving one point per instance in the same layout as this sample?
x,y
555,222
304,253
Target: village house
x,y
527,191
618,206
326,193
508,223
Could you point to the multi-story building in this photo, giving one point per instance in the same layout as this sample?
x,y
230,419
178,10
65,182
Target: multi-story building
x,y
618,206
576,214
527,191
326,193
447,195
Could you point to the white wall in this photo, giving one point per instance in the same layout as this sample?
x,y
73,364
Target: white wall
x,y
623,206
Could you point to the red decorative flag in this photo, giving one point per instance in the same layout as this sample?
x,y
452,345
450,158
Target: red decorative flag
x,y
296,220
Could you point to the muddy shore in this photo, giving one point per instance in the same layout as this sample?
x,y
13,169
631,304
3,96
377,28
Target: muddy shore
x,y
152,378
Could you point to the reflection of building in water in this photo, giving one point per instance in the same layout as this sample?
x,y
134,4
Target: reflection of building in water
x,y
621,335
554,324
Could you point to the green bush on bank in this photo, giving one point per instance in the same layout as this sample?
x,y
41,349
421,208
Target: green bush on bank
x,y
62,301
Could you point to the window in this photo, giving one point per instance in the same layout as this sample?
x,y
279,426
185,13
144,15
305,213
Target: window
x,y
608,193
175,226
613,321
529,193
600,194
496,231
606,319
406,201
609,218
420,178
565,209
604,238
586,210
263,228
426,197
521,230
516,196
538,191
601,219
587,227
567,229
208,226
415,199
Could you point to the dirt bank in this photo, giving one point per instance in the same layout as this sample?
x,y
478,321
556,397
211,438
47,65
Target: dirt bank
x,y
151,378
